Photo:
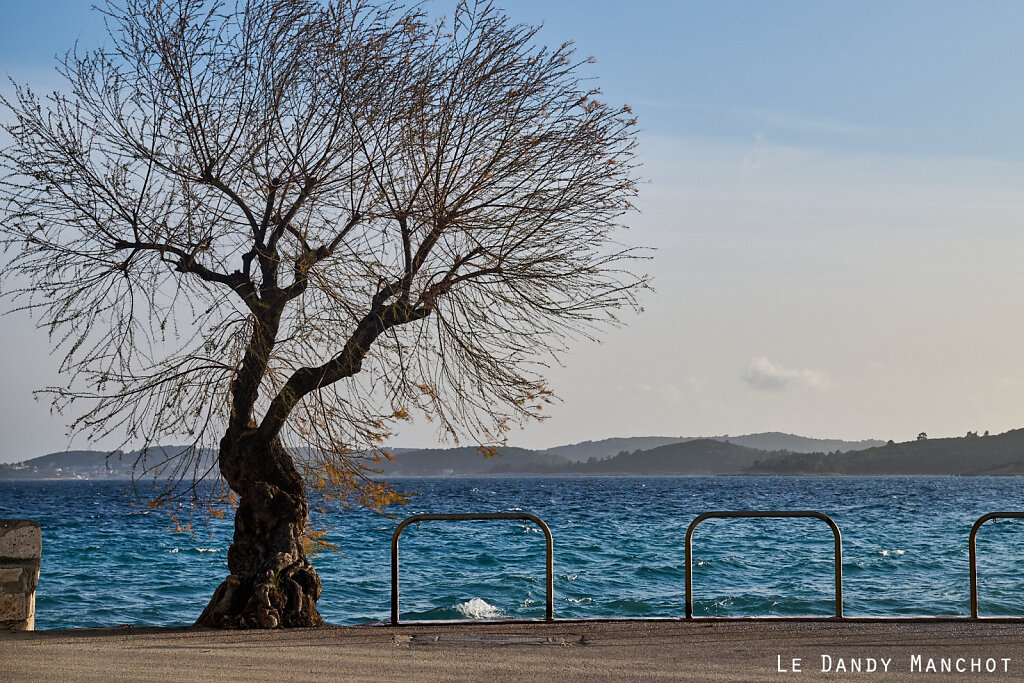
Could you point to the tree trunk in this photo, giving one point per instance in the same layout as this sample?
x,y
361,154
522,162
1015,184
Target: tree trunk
x,y
272,584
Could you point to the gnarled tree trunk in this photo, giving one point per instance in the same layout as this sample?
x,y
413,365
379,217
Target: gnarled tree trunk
x,y
272,584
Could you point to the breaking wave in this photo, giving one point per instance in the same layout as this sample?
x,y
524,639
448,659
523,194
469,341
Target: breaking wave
x,y
476,608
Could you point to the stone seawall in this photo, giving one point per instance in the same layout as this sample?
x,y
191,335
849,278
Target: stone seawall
x,y
21,549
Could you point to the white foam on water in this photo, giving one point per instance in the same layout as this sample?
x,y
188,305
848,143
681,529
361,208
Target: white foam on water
x,y
476,608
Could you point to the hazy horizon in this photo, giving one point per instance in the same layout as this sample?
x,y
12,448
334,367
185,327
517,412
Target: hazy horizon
x,y
550,447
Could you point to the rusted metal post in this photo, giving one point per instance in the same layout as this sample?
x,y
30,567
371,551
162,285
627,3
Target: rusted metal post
x,y
720,514
549,548
974,553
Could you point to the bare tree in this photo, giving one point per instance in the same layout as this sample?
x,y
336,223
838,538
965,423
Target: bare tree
x,y
290,223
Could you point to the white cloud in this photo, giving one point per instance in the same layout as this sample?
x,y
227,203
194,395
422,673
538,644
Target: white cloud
x,y
668,393
763,375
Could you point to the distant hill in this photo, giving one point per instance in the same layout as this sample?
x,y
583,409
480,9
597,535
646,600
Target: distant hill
x,y
607,447
699,456
467,461
1001,454
766,441
969,455
69,465
777,441
86,464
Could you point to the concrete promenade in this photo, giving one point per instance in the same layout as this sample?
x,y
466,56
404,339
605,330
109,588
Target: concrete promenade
x,y
751,650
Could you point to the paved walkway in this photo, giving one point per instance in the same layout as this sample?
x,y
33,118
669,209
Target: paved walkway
x,y
562,651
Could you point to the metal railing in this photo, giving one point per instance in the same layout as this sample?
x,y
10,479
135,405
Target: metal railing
x,y
550,548
757,514
720,514
974,552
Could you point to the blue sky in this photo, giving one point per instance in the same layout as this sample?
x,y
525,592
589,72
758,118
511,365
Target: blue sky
x,y
932,78
836,195
923,77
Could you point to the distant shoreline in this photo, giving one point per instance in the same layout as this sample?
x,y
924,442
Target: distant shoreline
x,y
571,475
766,454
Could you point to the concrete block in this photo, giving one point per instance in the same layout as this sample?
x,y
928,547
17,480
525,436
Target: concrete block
x,y
11,574
21,546
21,542
14,607
23,625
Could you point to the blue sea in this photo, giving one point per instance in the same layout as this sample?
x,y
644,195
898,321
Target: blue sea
x,y
619,550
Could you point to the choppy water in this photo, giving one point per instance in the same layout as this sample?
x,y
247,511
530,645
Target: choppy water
x,y
618,550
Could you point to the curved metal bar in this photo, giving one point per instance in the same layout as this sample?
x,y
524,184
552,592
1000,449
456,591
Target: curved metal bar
x,y
550,550
764,513
974,552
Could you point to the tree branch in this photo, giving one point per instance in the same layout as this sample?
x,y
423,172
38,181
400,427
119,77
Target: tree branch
x,y
283,223
310,257
261,230
208,178
413,266
346,364
186,263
